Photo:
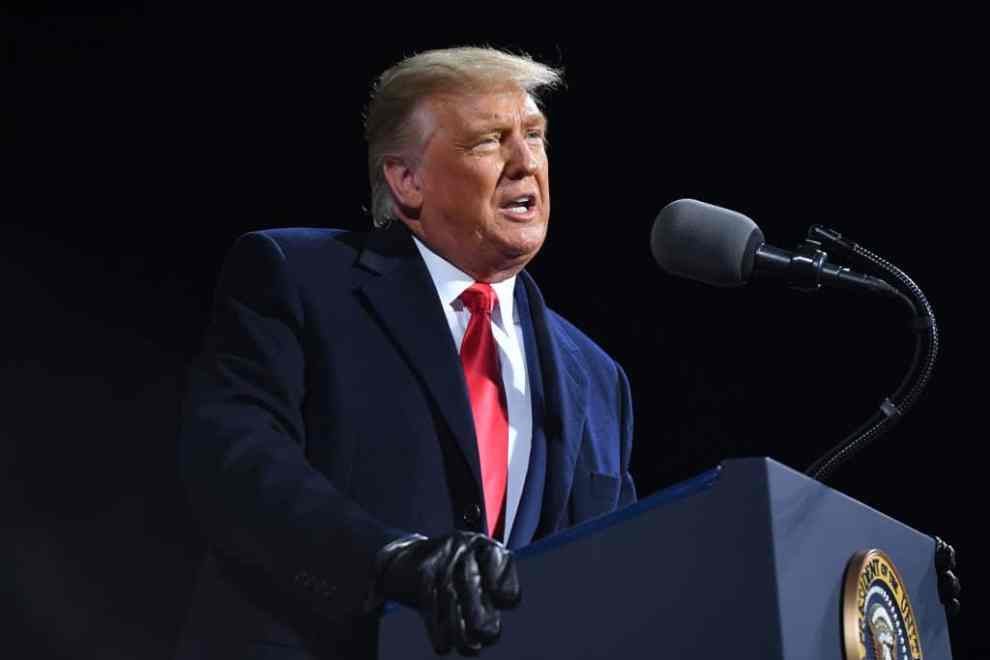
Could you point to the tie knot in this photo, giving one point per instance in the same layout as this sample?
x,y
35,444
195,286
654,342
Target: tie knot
x,y
479,297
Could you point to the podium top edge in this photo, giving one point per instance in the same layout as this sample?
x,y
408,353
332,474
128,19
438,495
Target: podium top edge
x,y
678,491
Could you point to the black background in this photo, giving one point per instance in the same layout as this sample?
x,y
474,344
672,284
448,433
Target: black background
x,y
145,139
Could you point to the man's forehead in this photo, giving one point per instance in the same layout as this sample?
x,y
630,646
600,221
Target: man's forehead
x,y
488,106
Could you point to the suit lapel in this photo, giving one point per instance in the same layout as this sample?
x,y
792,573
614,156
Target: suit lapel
x,y
531,502
565,388
404,299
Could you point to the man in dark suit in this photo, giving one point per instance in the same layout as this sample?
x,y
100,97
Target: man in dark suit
x,y
386,415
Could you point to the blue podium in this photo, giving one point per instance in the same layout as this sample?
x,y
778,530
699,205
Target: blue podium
x,y
746,561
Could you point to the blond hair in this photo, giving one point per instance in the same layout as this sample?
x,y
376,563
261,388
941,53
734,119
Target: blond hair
x,y
389,125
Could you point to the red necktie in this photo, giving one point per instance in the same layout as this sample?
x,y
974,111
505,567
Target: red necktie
x,y
479,357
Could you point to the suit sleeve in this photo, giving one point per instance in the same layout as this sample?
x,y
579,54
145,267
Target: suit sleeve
x,y
261,504
627,495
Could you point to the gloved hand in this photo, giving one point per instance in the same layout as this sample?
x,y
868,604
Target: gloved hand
x,y
948,584
458,582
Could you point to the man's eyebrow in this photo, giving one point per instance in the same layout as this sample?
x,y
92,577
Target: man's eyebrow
x,y
486,125
539,120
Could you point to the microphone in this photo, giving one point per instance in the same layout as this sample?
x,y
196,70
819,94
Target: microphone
x,y
724,248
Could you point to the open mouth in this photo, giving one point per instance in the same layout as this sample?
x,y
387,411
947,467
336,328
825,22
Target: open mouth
x,y
521,205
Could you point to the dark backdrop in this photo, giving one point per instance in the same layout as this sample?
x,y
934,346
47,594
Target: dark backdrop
x,y
146,139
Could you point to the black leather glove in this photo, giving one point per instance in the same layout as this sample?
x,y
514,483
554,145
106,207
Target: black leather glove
x,y
948,584
458,582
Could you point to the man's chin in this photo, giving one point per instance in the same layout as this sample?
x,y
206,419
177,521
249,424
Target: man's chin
x,y
522,245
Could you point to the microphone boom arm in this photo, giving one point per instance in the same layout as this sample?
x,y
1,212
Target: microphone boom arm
x,y
893,409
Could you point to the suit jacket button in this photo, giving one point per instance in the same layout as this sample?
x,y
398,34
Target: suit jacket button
x,y
472,516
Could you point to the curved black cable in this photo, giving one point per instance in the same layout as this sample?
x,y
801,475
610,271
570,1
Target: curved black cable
x,y
919,373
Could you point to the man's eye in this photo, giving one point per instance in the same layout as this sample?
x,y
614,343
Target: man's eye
x,y
535,135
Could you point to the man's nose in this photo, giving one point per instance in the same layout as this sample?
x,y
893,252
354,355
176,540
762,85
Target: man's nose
x,y
521,160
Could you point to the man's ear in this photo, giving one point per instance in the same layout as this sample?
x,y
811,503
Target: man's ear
x,y
406,187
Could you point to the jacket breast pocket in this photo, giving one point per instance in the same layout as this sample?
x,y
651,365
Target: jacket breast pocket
x,y
594,494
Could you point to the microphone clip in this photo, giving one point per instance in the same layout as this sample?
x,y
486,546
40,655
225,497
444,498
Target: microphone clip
x,y
800,269
804,272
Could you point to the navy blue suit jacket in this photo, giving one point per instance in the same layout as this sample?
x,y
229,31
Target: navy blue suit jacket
x,y
328,415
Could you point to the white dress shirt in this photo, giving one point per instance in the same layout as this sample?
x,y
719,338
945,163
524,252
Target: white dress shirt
x,y
450,283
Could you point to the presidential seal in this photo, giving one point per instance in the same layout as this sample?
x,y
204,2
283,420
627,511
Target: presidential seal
x,y
877,618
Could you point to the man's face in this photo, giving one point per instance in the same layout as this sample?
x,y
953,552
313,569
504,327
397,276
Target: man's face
x,y
484,180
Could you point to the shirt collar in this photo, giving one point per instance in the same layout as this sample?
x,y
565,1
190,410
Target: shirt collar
x,y
451,282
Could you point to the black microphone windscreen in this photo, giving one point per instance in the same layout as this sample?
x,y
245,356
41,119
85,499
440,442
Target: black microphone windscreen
x,y
704,242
